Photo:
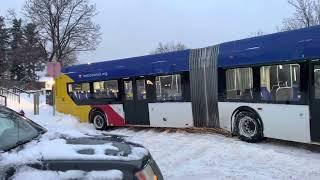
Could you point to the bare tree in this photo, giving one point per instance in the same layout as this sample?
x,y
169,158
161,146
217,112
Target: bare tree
x,y
169,47
307,13
66,27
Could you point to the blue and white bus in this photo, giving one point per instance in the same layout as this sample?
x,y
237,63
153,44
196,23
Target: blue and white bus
x,y
267,86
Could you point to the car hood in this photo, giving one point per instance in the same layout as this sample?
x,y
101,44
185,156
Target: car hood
x,y
104,149
109,147
114,146
103,154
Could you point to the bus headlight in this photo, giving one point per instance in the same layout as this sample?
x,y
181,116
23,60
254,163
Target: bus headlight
x,y
146,174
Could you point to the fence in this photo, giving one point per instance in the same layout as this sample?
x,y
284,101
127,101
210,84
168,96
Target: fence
x,y
19,90
8,84
3,100
10,95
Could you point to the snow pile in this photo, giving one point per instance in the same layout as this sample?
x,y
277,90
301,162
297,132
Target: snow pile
x,y
61,124
34,174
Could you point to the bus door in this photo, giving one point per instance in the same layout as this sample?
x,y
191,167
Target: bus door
x,y
315,102
135,102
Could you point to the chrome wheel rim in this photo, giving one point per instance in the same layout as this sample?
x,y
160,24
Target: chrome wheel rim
x,y
247,127
98,121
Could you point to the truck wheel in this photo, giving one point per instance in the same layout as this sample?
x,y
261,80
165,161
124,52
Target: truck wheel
x,y
248,127
99,120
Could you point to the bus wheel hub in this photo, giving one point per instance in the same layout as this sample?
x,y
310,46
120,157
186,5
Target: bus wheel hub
x,y
247,126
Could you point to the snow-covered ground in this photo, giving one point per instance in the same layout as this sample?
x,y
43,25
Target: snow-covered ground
x,y
183,155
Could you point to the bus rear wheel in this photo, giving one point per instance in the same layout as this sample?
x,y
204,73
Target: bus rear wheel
x,y
99,120
248,127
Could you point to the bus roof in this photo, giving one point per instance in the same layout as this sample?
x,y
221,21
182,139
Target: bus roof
x,y
129,67
296,45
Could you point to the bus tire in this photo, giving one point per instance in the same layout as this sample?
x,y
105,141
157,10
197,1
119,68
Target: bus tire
x,y
99,120
248,127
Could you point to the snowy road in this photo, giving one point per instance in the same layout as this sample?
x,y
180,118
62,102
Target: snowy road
x,y
183,155
187,156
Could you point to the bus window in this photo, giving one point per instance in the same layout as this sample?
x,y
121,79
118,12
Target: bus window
x,y
317,82
168,88
239,83
128,90
280,82
79,91
105,89
141,89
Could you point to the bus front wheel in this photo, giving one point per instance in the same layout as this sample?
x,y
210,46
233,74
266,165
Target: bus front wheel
x,y
248,127
99,120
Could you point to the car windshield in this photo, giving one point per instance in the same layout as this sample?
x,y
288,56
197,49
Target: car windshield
x,y
14,130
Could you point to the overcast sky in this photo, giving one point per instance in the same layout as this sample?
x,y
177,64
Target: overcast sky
x,y
135,27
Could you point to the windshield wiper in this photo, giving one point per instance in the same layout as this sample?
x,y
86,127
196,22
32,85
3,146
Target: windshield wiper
x,y
11,147
19,143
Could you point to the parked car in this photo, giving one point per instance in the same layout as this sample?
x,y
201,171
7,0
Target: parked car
x,y
23,144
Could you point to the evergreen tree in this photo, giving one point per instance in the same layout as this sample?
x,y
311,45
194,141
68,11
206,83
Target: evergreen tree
x,y
16,56
35,55
4,43
27,55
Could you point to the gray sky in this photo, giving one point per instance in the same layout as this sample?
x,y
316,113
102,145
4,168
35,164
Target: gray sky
x,y
135,27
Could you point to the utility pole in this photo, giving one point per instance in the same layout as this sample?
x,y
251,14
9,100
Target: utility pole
x,y
54,59
36,102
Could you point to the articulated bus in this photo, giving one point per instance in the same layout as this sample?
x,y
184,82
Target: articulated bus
x,y
267,86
